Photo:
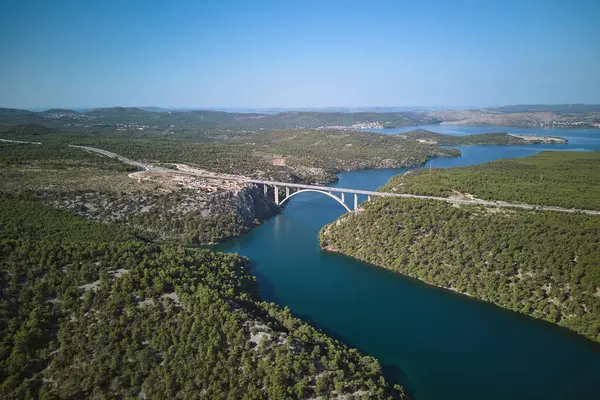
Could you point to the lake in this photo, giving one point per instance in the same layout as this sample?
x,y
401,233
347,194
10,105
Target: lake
x,y
438,344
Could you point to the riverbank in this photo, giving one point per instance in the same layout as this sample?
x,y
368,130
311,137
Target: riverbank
x,y
541,264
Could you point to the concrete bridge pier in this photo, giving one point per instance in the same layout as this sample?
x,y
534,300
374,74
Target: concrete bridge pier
x,y
355,201
343,199
287,191
265,187
276,195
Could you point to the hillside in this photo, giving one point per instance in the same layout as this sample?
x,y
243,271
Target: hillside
x,y
27,131
91,311
566,179
7,112
162,206
542,264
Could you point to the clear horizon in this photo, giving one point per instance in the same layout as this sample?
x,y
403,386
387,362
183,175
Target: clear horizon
x,y
266,54
304,108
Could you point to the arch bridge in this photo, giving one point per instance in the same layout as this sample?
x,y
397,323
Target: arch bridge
x,y
292,189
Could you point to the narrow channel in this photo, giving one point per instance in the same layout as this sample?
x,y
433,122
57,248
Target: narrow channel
x,y
438,344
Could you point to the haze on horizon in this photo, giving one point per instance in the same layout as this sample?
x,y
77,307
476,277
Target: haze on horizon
x,y
267,54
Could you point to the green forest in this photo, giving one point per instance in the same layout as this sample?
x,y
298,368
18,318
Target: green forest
x,y
544,264
566,179
90,310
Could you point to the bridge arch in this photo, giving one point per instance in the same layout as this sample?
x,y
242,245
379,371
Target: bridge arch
x,y
317,191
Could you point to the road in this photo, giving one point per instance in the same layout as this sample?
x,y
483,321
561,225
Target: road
x,y
18,141
342,190
121,158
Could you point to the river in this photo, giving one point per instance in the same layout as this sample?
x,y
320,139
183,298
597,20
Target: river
x,y
438,344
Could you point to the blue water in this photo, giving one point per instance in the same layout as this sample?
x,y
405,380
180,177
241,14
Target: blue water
x,y
439,345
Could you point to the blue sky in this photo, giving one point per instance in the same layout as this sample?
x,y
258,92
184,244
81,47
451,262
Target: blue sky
x,y
298,54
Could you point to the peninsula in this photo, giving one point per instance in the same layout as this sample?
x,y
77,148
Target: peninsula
x,y
543,264
499,138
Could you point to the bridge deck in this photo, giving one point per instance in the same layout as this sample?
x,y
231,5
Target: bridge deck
x,y
317,187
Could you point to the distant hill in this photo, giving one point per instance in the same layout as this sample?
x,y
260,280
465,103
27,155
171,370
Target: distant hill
x,y
155,109
228,124
14,112
11,116
58,110
28,130
556,108
115,111
199,119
